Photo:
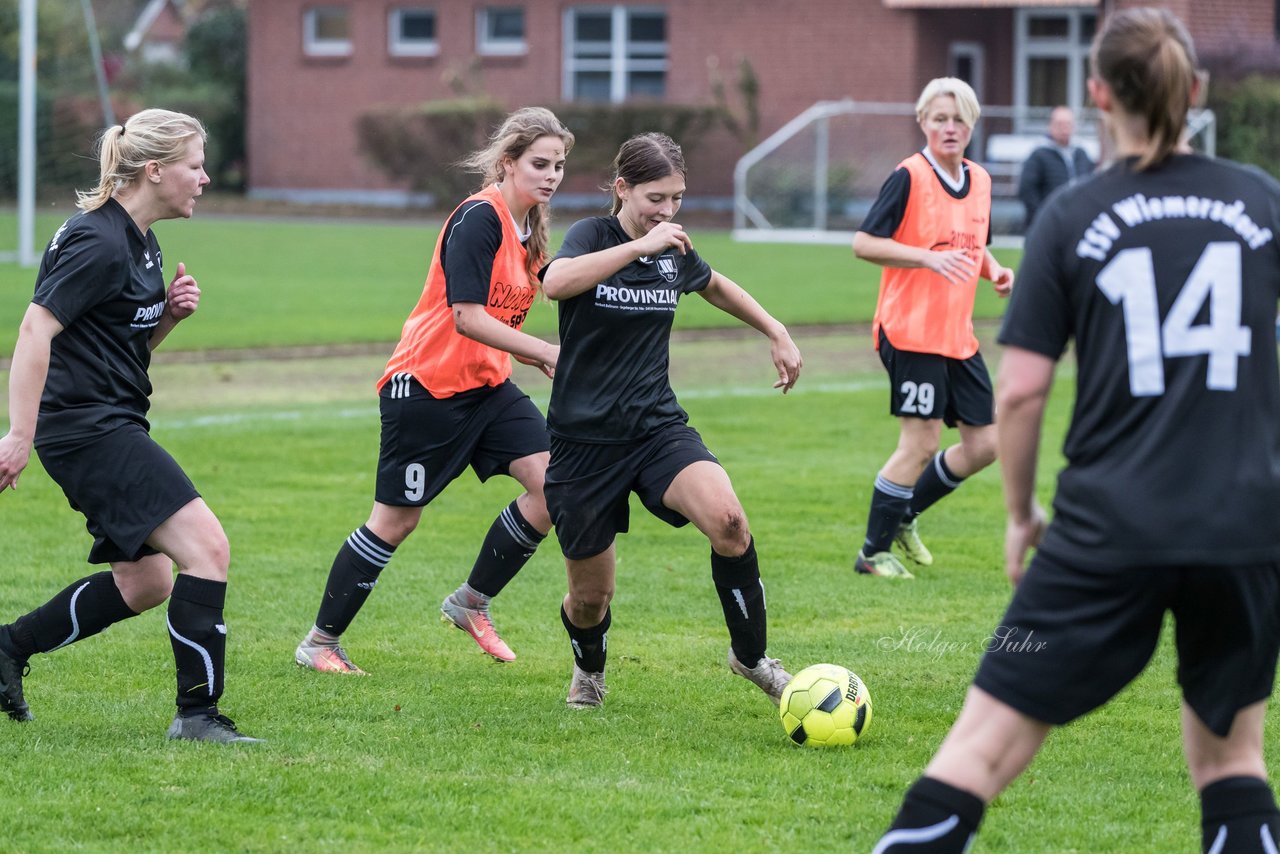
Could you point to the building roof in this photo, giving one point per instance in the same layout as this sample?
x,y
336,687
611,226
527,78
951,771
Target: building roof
x,y
148,17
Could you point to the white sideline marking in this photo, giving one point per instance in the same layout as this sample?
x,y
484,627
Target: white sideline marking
x,y
226,419
232,418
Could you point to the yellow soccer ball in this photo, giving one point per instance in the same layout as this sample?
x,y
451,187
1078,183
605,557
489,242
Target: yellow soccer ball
x,y
825,705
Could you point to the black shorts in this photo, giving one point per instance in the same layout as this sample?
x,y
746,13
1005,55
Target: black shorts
x,y
427,441
589,485
126,486
926,385
1072,637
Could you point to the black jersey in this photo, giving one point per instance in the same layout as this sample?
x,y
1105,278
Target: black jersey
x,y
101,278
1168,281
612,381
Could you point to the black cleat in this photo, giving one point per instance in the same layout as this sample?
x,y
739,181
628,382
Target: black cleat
x,y
216,728
12,702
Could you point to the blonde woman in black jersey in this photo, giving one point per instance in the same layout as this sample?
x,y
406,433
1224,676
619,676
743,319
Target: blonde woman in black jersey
x,y
78,391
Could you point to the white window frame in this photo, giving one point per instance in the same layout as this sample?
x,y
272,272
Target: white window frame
x,y
398,46
977,56
976,52
1071,48
312,45
618,64
488,46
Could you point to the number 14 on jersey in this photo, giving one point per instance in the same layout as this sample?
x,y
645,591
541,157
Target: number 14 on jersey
x,y
1130,280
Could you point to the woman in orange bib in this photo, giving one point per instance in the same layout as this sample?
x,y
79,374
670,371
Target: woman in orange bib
x,y
929,228
446,397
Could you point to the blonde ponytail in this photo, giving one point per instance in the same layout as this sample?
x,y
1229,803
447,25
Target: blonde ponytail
x,y
124,150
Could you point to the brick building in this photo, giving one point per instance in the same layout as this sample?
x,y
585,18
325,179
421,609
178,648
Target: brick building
x,y
316,65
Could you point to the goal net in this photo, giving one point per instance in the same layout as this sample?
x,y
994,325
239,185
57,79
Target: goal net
x,y
65,117
815,178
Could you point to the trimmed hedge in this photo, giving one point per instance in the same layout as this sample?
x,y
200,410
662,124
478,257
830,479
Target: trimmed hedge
x,y
65,130
1248,114
421,144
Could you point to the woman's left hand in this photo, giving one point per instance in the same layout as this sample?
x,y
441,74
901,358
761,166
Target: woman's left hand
x,y
184,295
1002,279
787,359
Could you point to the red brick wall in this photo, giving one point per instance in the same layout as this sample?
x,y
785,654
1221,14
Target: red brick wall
x,y
795,69
1222,26
303,110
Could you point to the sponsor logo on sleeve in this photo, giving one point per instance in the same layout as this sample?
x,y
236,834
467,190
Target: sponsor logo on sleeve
x,y
667,267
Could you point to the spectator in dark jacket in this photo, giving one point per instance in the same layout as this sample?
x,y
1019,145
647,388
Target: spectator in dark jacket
x,y
1053,164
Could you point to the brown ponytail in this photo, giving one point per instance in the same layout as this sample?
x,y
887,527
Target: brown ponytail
x,y
643,158
1148,60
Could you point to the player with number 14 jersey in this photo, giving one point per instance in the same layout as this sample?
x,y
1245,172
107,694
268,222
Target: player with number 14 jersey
x,y
1169,279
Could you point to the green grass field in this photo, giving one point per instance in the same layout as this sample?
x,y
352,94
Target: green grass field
x,y
441,749
288,283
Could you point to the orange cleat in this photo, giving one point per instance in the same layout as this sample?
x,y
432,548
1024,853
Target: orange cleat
x,y
476,622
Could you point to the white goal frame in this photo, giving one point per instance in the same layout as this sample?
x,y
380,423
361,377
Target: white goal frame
x,y
751,225
25,254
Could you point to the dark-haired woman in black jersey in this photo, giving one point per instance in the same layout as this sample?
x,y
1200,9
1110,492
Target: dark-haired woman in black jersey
x,y
615,425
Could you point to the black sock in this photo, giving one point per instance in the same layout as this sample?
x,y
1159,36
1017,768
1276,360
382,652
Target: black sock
x,y
1238,814
199,639
936,482
80,611
590,646
354,572
889,504
935,818
510,543
742,598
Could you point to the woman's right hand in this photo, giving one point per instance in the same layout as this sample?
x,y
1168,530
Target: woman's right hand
x,y
1021,537
954,265
663,236
14,455
546,364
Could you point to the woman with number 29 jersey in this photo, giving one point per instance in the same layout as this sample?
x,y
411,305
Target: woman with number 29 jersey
x,y
929,229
